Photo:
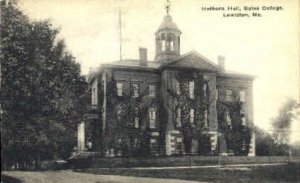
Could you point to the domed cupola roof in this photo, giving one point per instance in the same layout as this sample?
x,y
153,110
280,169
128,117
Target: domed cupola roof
x,y
168,24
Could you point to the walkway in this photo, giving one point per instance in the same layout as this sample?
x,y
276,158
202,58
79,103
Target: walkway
x,y
73,177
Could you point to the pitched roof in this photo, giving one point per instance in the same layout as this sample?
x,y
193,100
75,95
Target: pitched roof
x,y
135,64
168,24
192,59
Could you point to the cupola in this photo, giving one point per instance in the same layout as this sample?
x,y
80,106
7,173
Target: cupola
x,y
167,39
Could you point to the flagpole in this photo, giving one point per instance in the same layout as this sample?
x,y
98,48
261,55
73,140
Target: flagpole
x,y
120,32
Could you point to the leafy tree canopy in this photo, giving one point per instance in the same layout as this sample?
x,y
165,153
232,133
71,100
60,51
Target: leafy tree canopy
x,y
43,93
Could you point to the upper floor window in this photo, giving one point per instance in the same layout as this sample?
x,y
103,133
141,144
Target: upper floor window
x,y
178,118
177,87
205,90
192,116
94,93
191,89
152,90
205,118
135,89
136,118
152,117
119,112
119,89
229,95
228,119
242,95
94,101
244,121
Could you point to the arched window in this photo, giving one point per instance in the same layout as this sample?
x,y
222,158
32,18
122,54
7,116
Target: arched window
x,y
171,45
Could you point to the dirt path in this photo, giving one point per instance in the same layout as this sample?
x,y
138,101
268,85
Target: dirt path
x,y
73,177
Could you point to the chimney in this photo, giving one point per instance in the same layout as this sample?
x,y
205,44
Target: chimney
x,y
221,63
143,56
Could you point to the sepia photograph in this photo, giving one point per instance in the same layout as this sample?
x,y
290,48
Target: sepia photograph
x,y
166,91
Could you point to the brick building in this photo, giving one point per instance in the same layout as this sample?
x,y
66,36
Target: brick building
x,y
175,105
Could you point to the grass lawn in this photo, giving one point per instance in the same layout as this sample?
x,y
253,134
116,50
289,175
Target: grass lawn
x,y
275,173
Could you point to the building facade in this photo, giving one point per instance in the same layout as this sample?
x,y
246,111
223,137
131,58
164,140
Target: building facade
x,y
175,105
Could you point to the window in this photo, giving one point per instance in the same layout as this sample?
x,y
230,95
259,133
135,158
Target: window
x,y
204,90
94,93
192,111
177,87
228,119
152,90
243,121
134,142
172,45
94,102
153,146
178,118
119,112
135,88
152,117
119,89
136,118
243,96
205,118
179,144
229,95
163,45
191,89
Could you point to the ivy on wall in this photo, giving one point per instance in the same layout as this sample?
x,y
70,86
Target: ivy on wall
x,y
121,135
236,134
200,103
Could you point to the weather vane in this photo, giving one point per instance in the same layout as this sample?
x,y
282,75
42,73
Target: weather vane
x,y
168,6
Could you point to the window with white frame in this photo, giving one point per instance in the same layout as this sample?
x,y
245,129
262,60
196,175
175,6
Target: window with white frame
x,y
205,118
152,117
178,118
135,90
179,144
192,116
204,90
228,119
136,118
120,89
244,121
94,102
119,112
229,95
152,90
242,95
177,87
94,93
191,89
153,146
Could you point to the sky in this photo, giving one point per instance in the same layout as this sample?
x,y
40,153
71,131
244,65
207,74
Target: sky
x,y
267,47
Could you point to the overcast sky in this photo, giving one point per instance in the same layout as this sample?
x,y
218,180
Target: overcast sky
x,y
267,46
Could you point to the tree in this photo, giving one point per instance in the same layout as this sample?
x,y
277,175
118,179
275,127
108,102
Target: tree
x,y
282,124
42,90
265,144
